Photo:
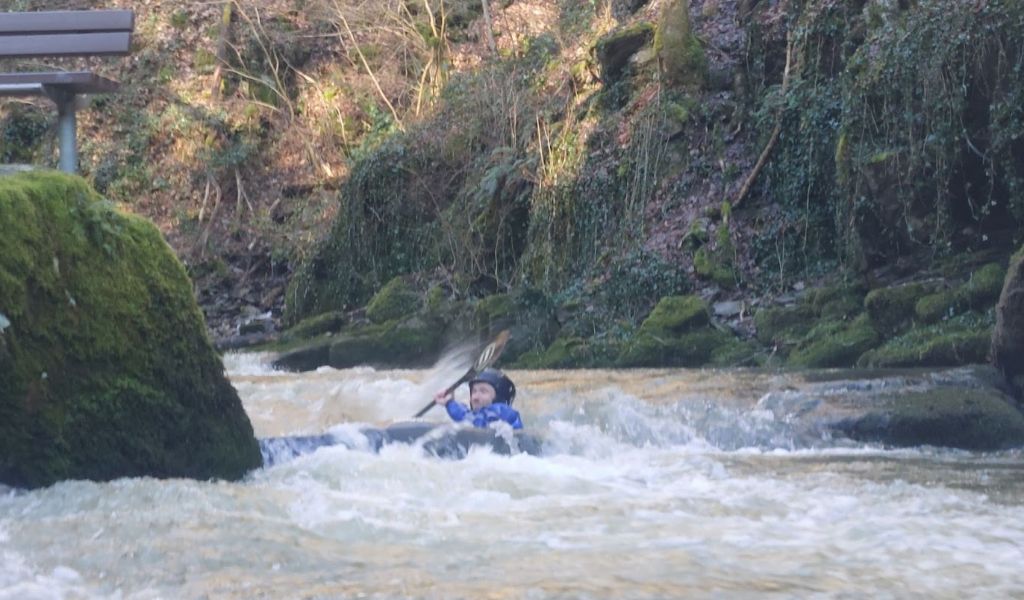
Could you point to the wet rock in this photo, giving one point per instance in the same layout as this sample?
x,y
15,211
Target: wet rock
x,y
306,358
972,419
1008,335
728,309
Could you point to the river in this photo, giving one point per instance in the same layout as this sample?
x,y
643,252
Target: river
x,y
652,484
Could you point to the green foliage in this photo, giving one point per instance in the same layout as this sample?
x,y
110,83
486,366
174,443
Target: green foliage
x,y
22,131
901,128
453,191
179,19
395,300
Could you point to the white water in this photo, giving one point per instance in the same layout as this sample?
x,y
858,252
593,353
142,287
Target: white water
x,y
654,484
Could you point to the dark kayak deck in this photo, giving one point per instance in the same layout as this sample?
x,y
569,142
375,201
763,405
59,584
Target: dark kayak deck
x,y
442,440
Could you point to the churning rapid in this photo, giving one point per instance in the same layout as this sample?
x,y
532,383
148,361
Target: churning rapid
x,y
651,484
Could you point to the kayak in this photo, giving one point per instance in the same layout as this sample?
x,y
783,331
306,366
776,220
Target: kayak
x,y
443,440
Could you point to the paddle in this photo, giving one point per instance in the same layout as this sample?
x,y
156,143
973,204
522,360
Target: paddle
x,y
486,359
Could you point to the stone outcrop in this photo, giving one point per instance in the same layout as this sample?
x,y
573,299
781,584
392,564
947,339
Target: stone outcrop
x,y
1008,335
106,369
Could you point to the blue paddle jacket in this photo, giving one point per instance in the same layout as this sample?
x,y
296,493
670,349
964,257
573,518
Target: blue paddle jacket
x,y
488,414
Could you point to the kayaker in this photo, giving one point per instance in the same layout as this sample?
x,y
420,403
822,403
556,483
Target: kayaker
x,y
491,394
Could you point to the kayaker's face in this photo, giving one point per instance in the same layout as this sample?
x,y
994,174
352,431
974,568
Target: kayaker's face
x,y
481,395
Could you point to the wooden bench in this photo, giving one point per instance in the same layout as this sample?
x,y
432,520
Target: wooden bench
x,y
60,34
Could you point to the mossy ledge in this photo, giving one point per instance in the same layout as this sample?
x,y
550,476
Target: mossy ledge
x,y
106,370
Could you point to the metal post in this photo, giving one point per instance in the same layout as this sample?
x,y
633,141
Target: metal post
x,y
66,125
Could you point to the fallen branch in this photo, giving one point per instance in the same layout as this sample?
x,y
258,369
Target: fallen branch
x,y
775,132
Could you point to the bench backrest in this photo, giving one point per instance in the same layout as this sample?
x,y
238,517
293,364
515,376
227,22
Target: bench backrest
x,y
65,33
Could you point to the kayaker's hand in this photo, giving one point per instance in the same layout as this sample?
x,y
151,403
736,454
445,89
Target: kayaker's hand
x,y
442,397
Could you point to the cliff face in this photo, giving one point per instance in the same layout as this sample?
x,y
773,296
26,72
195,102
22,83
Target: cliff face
x,y
742,150
601,154
106,369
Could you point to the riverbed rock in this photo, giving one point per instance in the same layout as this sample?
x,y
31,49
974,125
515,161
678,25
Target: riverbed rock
x,y
971,419
835,343
106,370
678,333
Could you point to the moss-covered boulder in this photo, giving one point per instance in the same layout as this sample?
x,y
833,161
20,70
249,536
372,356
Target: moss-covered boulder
x,y
677,333
676,314
328,322
892,309
783,326
962,340
396,300
413,342
305,355
835,344
972,419
979,292
528,314
106,370
837,301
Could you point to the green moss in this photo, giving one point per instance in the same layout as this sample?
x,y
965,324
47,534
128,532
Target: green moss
x,y
307,328
709,265
964,339
413,342
737,353
980,291
892,309
837,302
691,349
395,300
436,300
835,344
676,314
783,325
108,370
935,307
983,288
569,352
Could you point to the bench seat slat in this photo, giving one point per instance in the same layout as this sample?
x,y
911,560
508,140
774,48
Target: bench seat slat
x,y
67,21
65,44
76,82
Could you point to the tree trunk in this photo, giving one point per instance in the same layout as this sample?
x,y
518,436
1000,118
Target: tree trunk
x,y
223,40
487,25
